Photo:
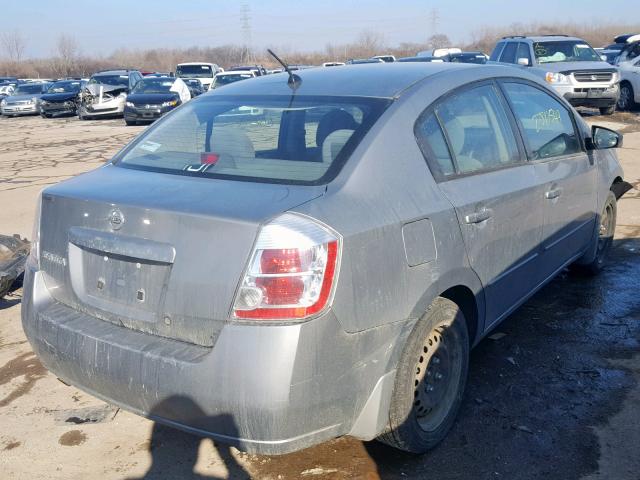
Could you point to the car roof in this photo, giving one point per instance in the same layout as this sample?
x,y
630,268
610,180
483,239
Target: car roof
x,y
383,80
235,72
113,72
544,38
196,63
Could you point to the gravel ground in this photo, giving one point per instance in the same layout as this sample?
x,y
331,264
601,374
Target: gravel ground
x,y
555,394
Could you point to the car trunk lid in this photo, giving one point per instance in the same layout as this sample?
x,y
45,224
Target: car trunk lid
x,y
154,252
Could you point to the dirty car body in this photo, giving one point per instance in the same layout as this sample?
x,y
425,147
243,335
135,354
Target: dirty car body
x,y
238,266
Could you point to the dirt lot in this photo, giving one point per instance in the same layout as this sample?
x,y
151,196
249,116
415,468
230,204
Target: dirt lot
x,y
555,395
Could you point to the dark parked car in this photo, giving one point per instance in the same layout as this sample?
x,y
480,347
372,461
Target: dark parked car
x,y
276,284
195,86
61,98
422,58
152,97
467,57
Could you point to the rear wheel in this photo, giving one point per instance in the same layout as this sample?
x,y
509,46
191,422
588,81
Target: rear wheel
x,y
626,100
430,380
607,110
603,239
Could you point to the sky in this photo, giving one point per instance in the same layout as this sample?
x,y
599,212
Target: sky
x,y
100,27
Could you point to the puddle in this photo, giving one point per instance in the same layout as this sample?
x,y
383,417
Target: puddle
x,y
72,438
25,365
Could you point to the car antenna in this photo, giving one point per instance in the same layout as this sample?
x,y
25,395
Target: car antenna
x,y
294,80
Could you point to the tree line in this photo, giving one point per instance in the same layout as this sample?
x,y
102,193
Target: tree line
x,y
70,58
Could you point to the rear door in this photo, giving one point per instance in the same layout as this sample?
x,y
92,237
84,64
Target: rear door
x,y
561,163
481,169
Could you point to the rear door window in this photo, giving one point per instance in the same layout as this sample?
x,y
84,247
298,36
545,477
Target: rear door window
x,y
509,53
495,55
478,130
546,123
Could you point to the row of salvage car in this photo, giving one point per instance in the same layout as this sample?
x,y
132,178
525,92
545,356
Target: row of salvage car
x,y
117,93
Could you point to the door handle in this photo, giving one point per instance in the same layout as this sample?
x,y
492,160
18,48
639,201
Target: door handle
x,y
551,194
478,217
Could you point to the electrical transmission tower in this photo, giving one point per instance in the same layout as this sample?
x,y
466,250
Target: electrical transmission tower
x,y
245,26
434,20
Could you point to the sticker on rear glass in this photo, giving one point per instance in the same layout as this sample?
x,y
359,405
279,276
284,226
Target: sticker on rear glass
x,y
150,146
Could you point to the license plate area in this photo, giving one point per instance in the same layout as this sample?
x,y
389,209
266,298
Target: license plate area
x,y
595,92
115,284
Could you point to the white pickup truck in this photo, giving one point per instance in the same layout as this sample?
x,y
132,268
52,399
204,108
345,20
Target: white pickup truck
x,y
205,72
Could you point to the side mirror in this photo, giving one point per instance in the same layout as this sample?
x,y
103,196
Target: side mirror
x,y
524,62
603,138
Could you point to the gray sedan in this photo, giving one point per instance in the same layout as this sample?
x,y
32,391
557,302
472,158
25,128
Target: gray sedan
x,y
25,99
291,259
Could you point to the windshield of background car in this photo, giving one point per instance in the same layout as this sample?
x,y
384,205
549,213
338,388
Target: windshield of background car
x,y
468,58
198,71
227,79
112,80
154,85
64,87
564,51
27,89
301,140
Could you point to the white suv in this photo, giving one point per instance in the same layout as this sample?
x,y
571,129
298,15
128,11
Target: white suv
x,y
569,64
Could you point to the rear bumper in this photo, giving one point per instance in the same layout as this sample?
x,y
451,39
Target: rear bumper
x,y
263,389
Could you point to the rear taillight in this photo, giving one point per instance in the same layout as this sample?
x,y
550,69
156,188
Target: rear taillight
x,y
292,272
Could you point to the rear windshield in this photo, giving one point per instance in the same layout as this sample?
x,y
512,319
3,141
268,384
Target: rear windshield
x,y
199,71
564,51
278,139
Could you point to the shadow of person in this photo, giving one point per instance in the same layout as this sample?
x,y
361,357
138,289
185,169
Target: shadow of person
x,y
174,453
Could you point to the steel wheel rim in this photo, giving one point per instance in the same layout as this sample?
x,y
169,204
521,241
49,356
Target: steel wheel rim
x,y
604,231
436,378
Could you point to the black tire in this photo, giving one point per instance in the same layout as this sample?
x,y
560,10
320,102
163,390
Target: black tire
x,y
427,395
45,115
603,238
608,110
130,122
626,100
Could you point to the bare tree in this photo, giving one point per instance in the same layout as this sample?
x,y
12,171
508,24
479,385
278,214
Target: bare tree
x,y
14,45
68,52
439,40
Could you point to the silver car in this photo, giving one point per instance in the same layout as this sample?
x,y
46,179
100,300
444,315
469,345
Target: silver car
x,y
324,269
25,99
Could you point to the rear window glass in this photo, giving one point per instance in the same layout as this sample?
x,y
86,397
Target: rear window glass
x,y
294,140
